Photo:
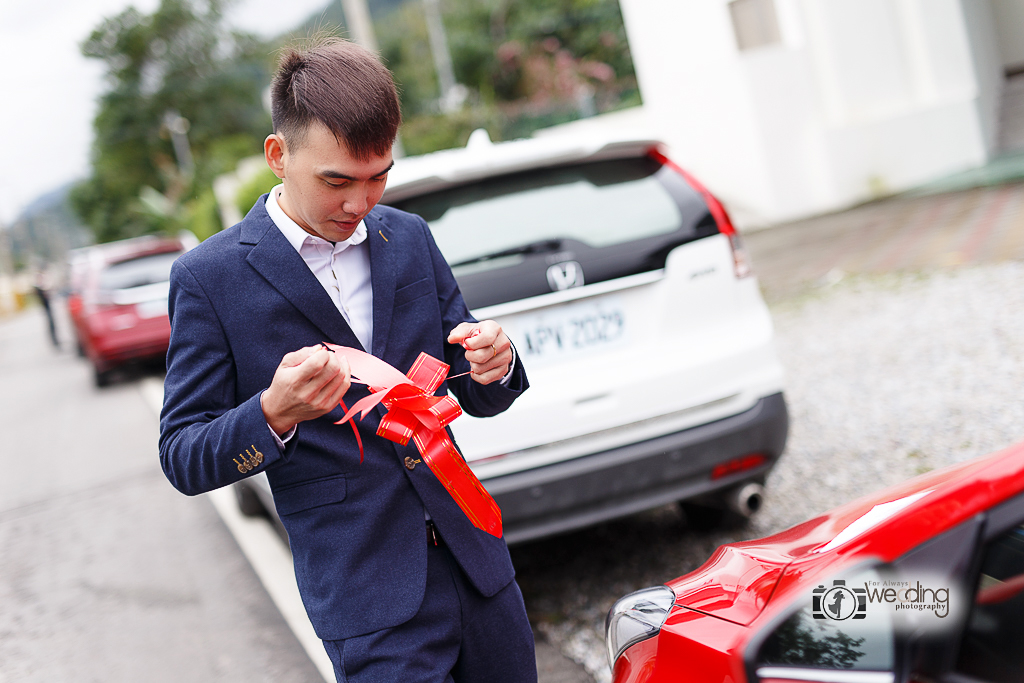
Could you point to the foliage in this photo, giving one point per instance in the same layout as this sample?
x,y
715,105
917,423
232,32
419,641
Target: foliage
x,y
527,65
203,215
178,59
255,188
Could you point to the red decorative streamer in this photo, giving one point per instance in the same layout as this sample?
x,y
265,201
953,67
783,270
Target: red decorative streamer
x,y
415,413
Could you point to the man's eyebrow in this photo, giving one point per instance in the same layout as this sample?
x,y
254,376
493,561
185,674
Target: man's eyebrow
x,y
342,176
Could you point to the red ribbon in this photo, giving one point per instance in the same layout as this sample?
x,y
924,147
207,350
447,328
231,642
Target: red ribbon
x,y
415,413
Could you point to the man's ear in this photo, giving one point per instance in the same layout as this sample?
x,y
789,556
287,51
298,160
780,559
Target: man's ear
x,y
274,150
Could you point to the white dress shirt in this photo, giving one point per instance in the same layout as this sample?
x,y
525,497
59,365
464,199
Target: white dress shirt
x,y
343,268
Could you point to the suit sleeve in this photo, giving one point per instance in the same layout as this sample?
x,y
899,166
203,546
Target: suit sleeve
x,y
207,439
476,399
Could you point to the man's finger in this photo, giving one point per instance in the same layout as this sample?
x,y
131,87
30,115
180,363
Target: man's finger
x,y
498,360
336,389
296,357
485,354
329,395
487,333
488,376
481,356
312,366
461,331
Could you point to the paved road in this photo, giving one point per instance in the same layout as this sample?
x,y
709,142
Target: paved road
x,y
108,574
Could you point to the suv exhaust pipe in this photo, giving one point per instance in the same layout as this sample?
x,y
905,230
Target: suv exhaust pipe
x,y
745,500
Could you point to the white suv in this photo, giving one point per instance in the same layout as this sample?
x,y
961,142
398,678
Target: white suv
x,y
630,300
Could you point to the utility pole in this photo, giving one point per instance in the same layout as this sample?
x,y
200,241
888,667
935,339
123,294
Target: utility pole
x,y
357,18
177,126
360,26
452,93
6,260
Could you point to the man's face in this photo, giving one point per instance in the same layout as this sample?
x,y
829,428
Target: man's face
x,y
327,191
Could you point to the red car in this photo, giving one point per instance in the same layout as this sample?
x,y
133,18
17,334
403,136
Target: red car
x,y
922,582
120,311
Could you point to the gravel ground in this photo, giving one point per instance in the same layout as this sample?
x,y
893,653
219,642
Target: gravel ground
x,y
888,376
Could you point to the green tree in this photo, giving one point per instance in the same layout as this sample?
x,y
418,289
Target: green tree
x,y
178,61
527,64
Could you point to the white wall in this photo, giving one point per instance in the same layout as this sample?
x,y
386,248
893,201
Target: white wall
x,y
688,71
861,98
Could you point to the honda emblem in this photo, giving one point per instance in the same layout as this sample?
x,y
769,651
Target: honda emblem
x,y
564,275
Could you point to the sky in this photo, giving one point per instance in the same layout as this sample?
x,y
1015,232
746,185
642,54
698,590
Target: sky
x,y
49,90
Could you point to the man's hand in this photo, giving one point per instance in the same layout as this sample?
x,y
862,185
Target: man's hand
x,y
488,349
307,384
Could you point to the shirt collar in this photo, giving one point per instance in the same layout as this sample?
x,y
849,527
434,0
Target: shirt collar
x,y
296,236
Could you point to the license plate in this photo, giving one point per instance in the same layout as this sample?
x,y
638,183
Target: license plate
x,y
151,309
570,330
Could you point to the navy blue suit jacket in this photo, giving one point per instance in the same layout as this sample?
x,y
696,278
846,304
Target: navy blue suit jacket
x,y
239,302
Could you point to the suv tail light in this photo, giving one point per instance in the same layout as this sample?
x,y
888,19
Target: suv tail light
x,y
740,258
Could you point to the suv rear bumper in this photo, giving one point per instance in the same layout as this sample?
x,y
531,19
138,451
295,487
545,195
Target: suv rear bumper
x,y
601,486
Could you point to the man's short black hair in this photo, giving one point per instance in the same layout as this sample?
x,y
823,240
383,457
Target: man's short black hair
x,y
341,85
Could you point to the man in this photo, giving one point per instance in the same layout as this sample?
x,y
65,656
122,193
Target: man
x,y
396,580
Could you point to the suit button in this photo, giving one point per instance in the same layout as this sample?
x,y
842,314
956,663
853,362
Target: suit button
x,y
410,464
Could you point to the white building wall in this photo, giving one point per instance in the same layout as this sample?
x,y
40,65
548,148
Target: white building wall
x,y
689,76
861,98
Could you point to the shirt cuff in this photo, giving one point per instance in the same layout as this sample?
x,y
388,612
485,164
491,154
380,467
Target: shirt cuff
x,y
282,440
511,366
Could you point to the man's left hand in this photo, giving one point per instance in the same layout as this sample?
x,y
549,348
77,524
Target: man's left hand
x,y
488,349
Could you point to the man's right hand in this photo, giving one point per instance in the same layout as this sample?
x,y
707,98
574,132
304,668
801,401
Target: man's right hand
x,y
307,384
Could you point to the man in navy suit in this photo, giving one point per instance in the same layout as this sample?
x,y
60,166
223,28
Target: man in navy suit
x,y
396,580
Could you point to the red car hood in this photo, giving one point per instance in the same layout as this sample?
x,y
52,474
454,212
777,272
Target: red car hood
x,y
740,578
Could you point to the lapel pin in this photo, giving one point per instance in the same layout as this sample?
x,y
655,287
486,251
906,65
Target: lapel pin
x,y
382,235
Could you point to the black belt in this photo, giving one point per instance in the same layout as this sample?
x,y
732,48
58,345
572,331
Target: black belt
x,y
433,535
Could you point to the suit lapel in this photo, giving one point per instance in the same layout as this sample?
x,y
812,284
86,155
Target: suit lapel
x,y
280,265
382,278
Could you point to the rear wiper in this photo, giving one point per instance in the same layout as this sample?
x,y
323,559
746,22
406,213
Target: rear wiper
x,y
538,247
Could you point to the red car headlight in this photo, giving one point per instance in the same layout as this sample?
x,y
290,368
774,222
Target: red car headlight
x,y
636,617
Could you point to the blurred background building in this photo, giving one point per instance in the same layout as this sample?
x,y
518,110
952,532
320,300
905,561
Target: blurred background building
x,y
788,108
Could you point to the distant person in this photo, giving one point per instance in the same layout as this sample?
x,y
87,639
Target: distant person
x,y
41,286
397,581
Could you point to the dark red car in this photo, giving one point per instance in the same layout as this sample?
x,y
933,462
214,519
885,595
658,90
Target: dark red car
x,y
120,310
923,582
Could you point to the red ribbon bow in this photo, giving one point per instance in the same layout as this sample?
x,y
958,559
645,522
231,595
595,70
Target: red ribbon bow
x,y
414,412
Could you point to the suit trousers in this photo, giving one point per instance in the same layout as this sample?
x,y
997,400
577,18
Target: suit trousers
x,y
457,636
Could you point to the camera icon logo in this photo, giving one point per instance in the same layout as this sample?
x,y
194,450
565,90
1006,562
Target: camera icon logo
x,y
839,602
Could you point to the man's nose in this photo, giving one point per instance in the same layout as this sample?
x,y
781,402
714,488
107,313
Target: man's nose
x,y
355,202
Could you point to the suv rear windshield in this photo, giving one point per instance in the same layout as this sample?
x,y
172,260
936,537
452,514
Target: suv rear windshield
x,y
145,270
613,218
